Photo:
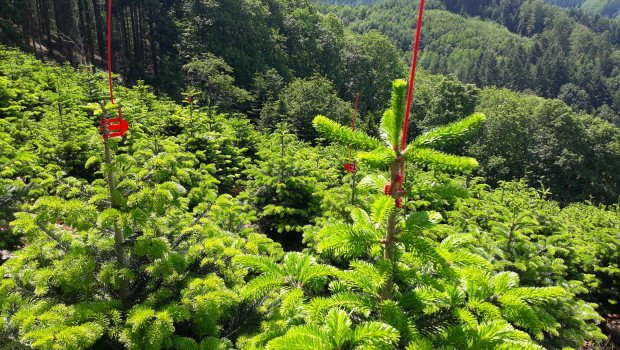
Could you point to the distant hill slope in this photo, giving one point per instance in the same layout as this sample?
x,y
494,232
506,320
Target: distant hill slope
x,y
571,4
608,8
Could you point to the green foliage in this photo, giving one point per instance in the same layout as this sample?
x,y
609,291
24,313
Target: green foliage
x,y
300,102
284,183
344,135
337,333
521,45
434,292
179,237
544,141
195,192
519,231
213,76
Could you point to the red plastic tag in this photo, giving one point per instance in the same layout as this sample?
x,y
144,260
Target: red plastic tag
x,y
118,125
350,168
387,191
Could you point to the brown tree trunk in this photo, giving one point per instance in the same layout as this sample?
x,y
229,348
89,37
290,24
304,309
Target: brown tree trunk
x,y
141,36
82,30
59,23
43,16
135,33
390,233
99,29
45,13
26,21
89,31
125,35
152,42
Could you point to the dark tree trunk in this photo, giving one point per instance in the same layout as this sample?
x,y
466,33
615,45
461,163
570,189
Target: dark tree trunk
x,y
45,19
59,23
99,28
82,30
69,29
126,40
141,36
152,41
26,21
135,33
89,30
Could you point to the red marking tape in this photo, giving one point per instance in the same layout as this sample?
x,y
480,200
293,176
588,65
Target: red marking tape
x,y
118,125
350,168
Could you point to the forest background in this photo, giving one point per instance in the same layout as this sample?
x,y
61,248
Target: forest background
x,y
257,57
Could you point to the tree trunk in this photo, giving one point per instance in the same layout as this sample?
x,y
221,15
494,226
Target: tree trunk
x,y
152,42
45,22
125,35
99,29
82,30
141,36
135,24
118,235
89,31
390,233
59,23
26,21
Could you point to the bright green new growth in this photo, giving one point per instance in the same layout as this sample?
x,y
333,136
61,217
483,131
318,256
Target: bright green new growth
x,y
419,151
335,131
435,294
465,271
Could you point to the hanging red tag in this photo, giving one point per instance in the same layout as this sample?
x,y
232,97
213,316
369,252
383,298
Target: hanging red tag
x,y
350,168
388,192
114,124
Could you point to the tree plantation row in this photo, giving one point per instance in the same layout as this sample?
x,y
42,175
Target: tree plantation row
x,y
200,231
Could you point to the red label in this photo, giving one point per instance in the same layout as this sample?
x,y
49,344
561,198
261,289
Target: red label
x,y
350,168
118,125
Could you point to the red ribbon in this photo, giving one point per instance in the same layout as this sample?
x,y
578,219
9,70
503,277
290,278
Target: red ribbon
x,y
350,168
416,47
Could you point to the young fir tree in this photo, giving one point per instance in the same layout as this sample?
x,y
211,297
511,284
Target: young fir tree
x,y
517,230
127,266
435,294
389,153
285,182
